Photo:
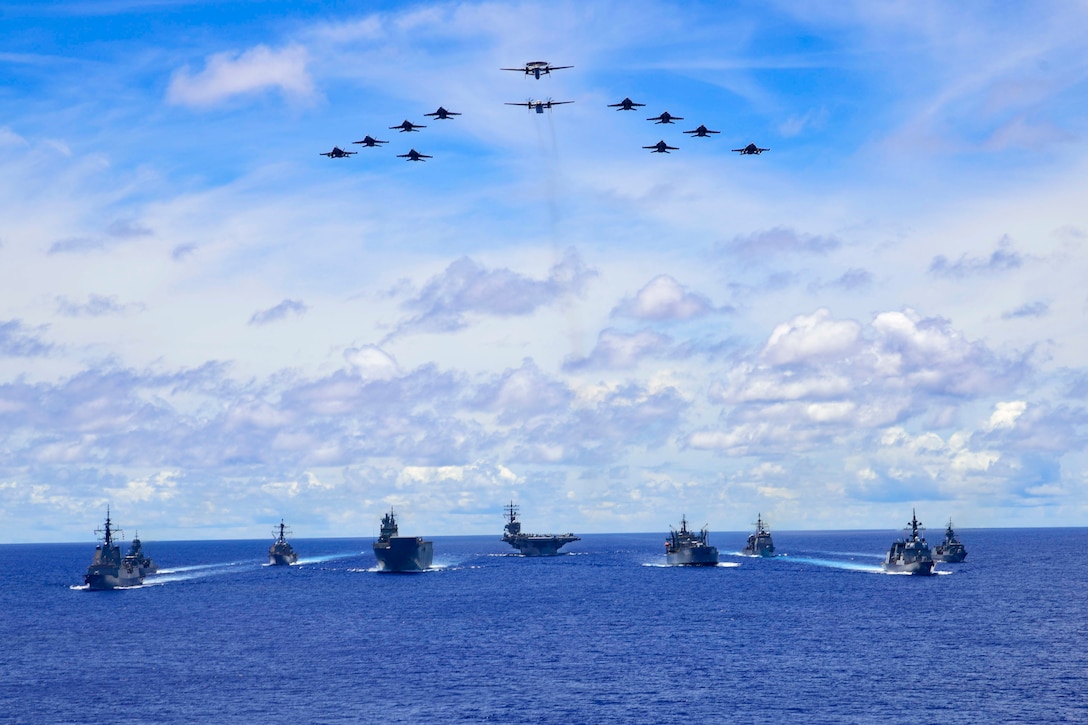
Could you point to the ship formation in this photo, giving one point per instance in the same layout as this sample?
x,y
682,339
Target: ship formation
x,y
281,553
532,544
950,550
110,570
910,555
401,553
760,543
688,548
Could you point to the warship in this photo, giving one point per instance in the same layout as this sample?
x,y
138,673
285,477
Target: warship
x,y
401,553
686,548
760,543
532,544
951,549
108,570
281,553
910,556
135,558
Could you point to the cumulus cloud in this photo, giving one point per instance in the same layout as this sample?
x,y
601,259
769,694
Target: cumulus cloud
x,y
466,287
256,70
370,362
524,393
1003,259
621,350
663,298
280,312
779,241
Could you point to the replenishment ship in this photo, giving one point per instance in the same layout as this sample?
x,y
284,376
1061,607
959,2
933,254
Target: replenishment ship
x,y
951,549
108,570
687,548
532,544
281,553
910,556
760,543
401,553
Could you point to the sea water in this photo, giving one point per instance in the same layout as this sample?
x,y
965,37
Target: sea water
x,y
601,634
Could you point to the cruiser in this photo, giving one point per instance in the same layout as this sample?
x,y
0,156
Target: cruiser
x,y
401,553
760,543
951,549
910,556
687,548
281,553
532,544
108,570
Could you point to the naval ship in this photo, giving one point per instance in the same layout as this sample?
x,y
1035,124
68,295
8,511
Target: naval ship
x,y
686,548
759,543
532,544
108,570
281,553
951,549
401,553
910,556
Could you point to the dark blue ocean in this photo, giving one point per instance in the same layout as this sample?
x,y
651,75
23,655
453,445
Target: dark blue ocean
x,y
604,634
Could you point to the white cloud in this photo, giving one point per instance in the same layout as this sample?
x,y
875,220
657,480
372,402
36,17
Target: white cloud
x,y
663,298
227,75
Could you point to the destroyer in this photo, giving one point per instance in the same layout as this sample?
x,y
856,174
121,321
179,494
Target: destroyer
x,y
532,544
760,543
401,553
281,553
135,558
910,556
687,548
108,570
951,549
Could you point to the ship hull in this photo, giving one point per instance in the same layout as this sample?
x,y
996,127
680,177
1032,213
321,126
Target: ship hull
x,y
105,578
919,568
701,556
539,546
282,559
953,557
404,554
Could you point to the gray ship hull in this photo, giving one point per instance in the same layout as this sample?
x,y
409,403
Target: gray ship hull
x,y
282,559
952,556
404,553
109,577
921,568
539,545
697,556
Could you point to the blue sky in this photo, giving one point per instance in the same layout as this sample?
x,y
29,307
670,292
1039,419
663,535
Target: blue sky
x,y
207,325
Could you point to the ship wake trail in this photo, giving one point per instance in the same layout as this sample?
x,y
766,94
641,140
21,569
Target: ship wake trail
x,y
323,559
198,571
835,564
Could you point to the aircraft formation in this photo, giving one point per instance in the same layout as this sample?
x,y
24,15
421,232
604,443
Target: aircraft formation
x,y
536,69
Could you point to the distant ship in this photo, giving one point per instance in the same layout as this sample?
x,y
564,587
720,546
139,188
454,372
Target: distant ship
x,y
108,570
951,549
532,544
401,553
910,556
281,553
686,548
760,543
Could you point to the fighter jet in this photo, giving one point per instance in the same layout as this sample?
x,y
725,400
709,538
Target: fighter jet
x,y
338,153
407,126
750,150
370,141
539,106
537,68
666,117
702,132
625,105
661,148
414,155
442,114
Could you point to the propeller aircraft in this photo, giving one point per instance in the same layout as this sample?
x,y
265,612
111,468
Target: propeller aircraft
x,y
539,106
537,68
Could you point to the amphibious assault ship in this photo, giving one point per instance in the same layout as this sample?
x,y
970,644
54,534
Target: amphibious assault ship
x,y
532,544
951,549
401,553
108,570
760,543
910,556
281,553
687,548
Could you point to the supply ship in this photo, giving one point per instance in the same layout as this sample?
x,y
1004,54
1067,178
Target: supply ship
x,y
281,553
401,553
951,549
760,543
687,548
108,570
910,556
532,544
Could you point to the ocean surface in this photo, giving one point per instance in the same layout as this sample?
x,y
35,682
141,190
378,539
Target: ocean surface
x,y
603,634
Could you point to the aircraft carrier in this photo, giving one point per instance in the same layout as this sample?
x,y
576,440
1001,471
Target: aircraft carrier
x,y
532,544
